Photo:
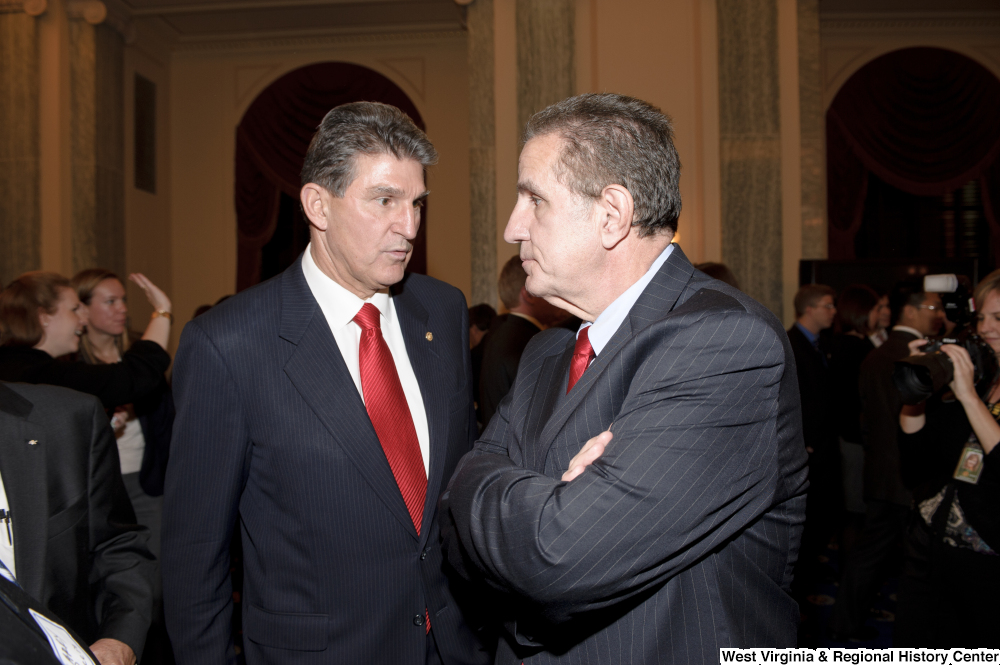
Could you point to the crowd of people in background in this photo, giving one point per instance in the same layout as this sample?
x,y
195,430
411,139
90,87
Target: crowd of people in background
x,y
889,485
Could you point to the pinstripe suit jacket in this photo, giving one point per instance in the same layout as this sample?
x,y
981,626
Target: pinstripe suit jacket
x,y
271,431
681,538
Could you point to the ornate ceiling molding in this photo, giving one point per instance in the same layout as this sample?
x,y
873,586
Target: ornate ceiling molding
x,y
875,22
29,7
317,40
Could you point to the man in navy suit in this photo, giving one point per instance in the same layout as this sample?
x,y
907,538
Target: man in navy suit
x,y
674,533
323,411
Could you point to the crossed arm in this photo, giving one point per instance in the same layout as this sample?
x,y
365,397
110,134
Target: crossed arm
x,y
693,460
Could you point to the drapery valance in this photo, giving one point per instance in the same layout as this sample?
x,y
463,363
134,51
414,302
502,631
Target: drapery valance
x,y
924,120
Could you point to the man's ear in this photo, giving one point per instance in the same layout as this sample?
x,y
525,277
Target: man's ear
x,y
313,205
616,207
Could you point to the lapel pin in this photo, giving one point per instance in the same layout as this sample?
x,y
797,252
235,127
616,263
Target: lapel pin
x,y
33,442
429,337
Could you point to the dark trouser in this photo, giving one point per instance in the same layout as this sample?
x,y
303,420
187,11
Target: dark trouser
x,y
865,569
947,596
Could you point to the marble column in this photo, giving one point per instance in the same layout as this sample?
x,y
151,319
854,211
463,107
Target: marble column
x,y
482,153
20,239
545,70
812,122
750,146
97,143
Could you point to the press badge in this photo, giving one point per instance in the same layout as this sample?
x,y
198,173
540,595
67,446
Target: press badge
x,y
66,649
970,464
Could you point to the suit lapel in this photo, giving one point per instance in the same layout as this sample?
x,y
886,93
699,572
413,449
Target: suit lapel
x,y
656,301
427,365
552,379
24,477
318,371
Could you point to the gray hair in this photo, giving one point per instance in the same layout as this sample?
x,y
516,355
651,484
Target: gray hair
x,y
617,140
366,128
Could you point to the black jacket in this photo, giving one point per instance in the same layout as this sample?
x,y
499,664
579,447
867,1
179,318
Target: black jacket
x,y
77,546
880,407
139,373
22,641
501,356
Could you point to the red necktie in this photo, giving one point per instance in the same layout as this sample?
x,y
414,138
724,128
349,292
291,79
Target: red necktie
x,y
583,353
389,413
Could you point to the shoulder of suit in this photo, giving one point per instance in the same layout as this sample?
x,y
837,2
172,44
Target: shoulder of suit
x,y
46,398
547,343
433,294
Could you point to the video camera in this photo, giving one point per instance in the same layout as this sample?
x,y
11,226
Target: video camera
x,y
920,376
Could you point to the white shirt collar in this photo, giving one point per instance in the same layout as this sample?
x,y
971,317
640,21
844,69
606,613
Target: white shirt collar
x,y
912,331
604,328
339,305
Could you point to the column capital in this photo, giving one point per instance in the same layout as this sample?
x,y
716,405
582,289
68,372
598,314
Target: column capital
x,y
29,7
96,12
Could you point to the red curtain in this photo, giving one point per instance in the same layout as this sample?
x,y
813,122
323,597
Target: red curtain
x,y
271,143
924,120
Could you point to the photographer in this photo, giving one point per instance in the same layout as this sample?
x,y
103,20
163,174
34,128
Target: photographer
x,y
951,577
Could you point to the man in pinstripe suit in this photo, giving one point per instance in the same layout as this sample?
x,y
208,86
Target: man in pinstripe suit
x,y
673,531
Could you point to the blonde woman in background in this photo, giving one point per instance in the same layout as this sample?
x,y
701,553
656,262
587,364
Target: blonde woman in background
x,y
142,428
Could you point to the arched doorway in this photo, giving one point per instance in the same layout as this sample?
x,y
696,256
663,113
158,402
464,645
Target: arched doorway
x,y
271,143
913,159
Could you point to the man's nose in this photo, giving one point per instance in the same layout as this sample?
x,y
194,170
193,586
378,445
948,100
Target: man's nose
x,y
409,223
516,229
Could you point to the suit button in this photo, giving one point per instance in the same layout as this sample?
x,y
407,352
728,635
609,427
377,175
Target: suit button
x,y
423,555
418,620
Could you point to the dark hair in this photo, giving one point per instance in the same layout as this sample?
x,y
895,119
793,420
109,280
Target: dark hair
x,y
612,139
809,295
511,281
482,316
23,300
854,304
908,292
367,128
721,272
84,282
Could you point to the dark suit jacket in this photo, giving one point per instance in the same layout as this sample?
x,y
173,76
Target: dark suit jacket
x,y
76,544
818,429
271,431
22,641
501,356
681,538
880,407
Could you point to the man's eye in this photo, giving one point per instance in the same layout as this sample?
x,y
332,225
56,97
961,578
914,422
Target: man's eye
x,y
535,200
384,201
419,203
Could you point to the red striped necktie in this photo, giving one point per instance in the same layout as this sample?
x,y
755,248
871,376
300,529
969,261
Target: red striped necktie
x,y
390,414
583,353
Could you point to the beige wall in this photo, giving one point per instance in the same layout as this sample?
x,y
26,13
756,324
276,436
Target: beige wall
x,y
669,59
147,215
211,87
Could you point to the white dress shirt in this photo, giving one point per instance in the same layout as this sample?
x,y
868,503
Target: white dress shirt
x,y
6,533
340,306
608,322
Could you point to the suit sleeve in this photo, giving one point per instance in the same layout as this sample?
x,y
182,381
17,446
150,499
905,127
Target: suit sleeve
x,y
694,459
209,458
122,567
